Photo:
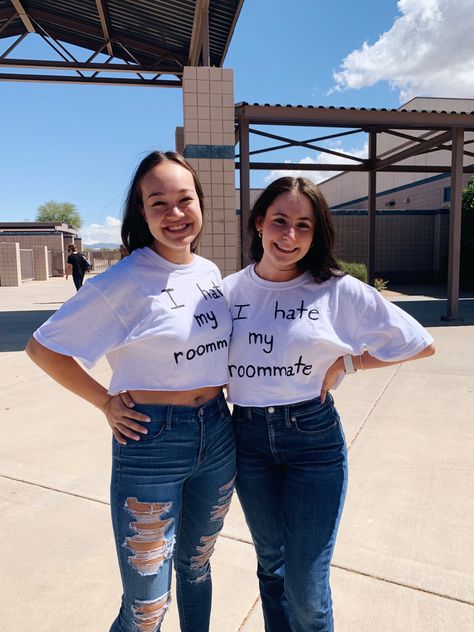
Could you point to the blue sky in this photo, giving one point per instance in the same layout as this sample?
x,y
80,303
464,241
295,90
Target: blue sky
x,y
81,143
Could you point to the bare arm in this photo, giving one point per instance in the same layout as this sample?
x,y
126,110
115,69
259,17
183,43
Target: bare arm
x,y
363,362
68,272
67,372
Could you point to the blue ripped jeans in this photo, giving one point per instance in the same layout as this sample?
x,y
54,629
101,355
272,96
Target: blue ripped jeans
x,y
291,481
170,492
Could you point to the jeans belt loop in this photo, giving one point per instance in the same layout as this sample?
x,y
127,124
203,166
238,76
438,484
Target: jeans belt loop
x,y
169,415
286,416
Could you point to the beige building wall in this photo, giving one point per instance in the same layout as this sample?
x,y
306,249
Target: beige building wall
x,y
40,262
209,146
10,267
54,243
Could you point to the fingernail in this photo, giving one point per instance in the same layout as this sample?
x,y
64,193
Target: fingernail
x,y
131,404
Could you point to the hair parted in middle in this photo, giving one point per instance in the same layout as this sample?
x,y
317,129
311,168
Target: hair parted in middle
x,y
320,259
135,231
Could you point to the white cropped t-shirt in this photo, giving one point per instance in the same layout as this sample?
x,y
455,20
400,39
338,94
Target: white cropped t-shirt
x,y
161,326
287,334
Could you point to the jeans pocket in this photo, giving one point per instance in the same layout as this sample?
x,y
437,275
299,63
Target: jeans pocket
x,y
316,420
156,428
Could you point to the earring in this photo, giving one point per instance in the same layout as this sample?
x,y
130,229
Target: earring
x,y
260,234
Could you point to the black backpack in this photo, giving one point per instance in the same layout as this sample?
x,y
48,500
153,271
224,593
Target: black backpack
x,y
85,264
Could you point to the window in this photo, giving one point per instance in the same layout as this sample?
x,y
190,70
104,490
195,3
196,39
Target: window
x,y
447,194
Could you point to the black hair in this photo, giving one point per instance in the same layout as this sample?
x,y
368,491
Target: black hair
x,y
135,231
320,259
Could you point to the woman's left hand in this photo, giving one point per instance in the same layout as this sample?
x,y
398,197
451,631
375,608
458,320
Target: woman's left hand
x,y
331,377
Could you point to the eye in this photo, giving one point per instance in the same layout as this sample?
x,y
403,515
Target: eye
x,y
279,220
186,200
158,203
304,226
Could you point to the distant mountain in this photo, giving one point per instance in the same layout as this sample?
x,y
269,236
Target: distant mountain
x,y
100,245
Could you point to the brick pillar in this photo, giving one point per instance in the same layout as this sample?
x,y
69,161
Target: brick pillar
x,y
209,145
179,140
40,258
10,266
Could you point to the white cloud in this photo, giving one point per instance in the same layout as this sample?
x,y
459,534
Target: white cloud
x,y
427,52
108,233
319,176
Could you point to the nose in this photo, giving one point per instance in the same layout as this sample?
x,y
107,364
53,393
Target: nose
x,y
175,211
290,233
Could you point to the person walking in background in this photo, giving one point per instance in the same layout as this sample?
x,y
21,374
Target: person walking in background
x,y
160,317
77,265
300,325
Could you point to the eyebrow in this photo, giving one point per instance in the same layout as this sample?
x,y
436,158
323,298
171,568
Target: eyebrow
x,y
306,218
164,193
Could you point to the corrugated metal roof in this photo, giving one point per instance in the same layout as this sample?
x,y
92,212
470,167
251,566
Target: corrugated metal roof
x,y
156,34
354,109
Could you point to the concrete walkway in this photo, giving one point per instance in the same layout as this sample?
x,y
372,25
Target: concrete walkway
x,y
404,557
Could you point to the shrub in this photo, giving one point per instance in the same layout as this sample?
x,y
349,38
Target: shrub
x,y
357,270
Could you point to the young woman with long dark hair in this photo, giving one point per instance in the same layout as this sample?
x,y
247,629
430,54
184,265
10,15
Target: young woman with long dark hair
x,y
160,318
300,324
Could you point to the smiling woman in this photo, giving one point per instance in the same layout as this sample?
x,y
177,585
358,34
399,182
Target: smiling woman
x,y
300,324
153,314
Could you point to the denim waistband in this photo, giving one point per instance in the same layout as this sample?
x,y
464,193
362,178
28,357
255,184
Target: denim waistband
x,y
216,405
285,410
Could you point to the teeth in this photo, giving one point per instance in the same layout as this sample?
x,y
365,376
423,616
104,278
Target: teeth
x,y
176,228
286,249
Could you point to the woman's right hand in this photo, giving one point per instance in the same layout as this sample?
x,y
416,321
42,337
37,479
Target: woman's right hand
x,y
120,414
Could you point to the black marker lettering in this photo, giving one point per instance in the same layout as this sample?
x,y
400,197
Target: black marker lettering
x,y
168,291
261,339
206,318
239,317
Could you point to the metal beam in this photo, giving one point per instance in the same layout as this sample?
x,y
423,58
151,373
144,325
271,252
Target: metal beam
x,y
84,66
244,188
421,148
337,166
351,118
112,81
104,22
455,215
201,15
372,207
23,15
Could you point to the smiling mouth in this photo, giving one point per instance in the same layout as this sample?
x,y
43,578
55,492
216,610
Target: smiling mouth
x,y
285,250
177,228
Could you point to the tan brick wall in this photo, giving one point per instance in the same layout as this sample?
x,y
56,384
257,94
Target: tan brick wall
x,y
209,132
10,267
52,242
40,259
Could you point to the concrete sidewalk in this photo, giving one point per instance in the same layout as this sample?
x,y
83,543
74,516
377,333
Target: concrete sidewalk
x,y
404,558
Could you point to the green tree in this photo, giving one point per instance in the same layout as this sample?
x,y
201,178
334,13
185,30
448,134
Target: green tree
x,y
467,237
65,212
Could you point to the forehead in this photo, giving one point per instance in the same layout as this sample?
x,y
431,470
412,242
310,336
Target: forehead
x,y
166,178
293,203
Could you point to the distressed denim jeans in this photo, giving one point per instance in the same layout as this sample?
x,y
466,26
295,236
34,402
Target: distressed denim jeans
x,y
291,481
170,492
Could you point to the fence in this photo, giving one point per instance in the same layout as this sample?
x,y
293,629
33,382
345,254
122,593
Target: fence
x,y
101,261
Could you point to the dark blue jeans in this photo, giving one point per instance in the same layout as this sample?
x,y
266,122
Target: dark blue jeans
x,y
170,492
291,481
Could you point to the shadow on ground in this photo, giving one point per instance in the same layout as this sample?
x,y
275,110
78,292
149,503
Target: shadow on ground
x,y
429,312
17,327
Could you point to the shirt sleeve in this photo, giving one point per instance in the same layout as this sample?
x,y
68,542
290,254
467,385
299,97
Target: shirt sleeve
x,y
85,327
386,331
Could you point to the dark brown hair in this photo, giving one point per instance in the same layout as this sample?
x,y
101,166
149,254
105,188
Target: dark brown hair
x,y
135,231
320,259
